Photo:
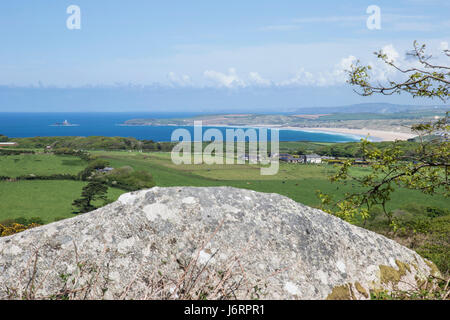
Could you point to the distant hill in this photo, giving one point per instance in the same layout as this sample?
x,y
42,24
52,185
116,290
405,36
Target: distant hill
x,y
371,108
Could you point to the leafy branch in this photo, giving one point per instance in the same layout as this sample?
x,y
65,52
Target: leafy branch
x,y
428,80
426,169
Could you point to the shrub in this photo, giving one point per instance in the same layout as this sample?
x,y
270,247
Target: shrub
x,y
56,176
432,288
94,190
92,166
126,179
29,221
423,229
14,152
15,228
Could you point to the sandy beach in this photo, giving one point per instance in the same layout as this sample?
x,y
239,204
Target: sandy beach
x,y
374,134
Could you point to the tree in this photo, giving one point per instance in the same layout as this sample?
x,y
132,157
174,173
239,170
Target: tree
x,y
427,80
93,191
93,165
425,169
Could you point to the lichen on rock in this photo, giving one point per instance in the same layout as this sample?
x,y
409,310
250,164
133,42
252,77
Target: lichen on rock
x,y
149,244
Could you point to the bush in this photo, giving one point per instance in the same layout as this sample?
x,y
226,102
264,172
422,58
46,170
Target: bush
x,y
434,212
56,176
437,245
15,228
22,221
423,229
29,221
127,179
70,152
93,191
14,152
92,166
432,288
94,143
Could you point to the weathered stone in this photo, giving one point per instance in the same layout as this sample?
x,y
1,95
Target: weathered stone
x,y
154,243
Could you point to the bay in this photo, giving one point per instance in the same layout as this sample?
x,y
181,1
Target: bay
x,y
20,125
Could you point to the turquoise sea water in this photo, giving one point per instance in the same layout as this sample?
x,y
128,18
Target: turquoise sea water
x,y
20,125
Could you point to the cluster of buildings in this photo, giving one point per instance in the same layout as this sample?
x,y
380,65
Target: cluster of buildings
x,y
286,157
105,170
315,158
304,158
8,144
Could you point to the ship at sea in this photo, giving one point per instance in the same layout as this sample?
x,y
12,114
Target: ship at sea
x,y
65,123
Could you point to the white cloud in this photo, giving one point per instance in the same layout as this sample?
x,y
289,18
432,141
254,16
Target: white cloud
x,y
233,80
182,81
333,76
346,63
277,64
301,78
390,52
229,80
444,45
256,79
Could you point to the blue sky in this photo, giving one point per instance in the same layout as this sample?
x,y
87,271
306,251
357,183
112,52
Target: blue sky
x,y
245,53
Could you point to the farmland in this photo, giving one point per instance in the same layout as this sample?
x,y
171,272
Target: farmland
x,y
298,182
48,200
51,200
39,164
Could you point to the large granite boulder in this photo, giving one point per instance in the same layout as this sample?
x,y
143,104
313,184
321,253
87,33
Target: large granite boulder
x,y
188,243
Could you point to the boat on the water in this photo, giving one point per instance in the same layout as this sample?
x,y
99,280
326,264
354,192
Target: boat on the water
x,y
65,123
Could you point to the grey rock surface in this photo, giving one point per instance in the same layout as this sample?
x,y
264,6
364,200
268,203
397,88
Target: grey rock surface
x,y
187,242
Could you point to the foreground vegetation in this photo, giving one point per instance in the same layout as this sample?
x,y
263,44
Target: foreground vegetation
x,y
349,149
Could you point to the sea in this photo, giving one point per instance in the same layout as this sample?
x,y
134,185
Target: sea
x,y
20,125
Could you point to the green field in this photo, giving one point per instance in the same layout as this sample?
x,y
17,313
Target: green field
x,y
296,181
51,200
39,164
48,200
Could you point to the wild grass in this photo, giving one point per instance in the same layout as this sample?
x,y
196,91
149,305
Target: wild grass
x,y
433,288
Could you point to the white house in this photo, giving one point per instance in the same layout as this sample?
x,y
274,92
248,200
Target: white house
x,y
8,144
312,158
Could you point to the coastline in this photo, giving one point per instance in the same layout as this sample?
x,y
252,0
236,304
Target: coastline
x,y
372,133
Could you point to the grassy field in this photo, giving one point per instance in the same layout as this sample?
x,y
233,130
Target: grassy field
x,y
51,200
298,182
48,200
39,164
